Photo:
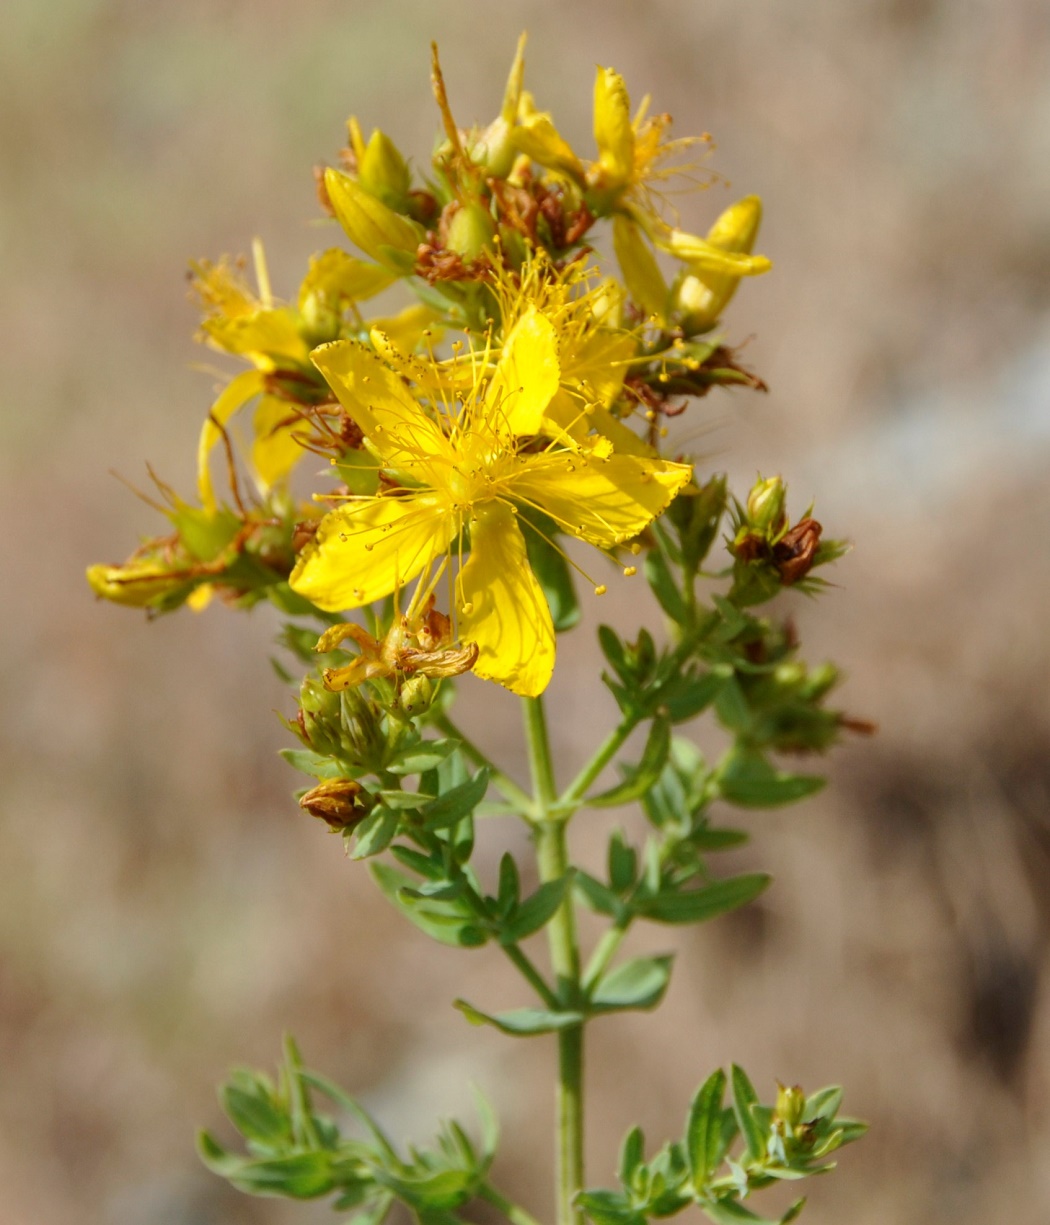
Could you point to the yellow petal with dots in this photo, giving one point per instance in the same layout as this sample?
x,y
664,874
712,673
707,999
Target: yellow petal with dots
x,y
502,608
369,549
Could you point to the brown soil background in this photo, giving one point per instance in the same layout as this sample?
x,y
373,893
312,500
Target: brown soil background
x,y
166,912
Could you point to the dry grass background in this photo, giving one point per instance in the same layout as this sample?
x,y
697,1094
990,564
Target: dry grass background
x,y
164,910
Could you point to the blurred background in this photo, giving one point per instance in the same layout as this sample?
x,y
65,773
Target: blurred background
x,y
165,909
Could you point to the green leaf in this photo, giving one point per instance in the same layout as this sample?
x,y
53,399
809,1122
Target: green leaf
x,y
442,921
623,863
705,839
703,1133
489,1126
609,1208
732,707
375,833
522,1022
250,1106
403,800
536,911
639,983
299,1176
699,905
314,764
632,1155
644,775
744,1099
658,576
509,883
597,896
691,695
824,1104
439,1191
614,651
550,567
747,779
426,755
732,1212
454,805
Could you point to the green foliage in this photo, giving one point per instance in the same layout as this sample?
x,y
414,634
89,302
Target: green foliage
x,y
294,1150
729,1151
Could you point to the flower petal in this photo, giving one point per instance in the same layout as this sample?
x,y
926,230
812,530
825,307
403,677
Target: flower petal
x,y
502,608
613,133
603,501
526,377
369,549
242,388
381,406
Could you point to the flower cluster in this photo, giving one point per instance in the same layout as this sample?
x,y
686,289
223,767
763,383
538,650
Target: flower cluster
x,y
454,467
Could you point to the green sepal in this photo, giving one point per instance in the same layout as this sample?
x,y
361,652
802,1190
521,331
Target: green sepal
x,y
636,984
522,1022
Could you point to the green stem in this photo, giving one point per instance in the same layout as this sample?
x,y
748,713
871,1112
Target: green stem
x,y
577,789
553,858
510,790
513,1212
532,976
603,953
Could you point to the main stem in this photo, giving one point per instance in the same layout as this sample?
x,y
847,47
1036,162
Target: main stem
x,y
553,859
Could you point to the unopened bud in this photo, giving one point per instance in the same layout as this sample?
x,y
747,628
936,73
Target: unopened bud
x,y
765,506
470,230
334,801
417,694
383,171
369,223
791,1103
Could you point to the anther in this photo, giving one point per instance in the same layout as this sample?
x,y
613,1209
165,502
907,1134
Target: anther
x,y
630,571
601,589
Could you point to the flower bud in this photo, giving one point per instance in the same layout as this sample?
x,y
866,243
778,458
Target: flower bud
x,y
496,149
417,694
791,1103
470,230
383,172
765,506
135,584
370,224
702,294
335,801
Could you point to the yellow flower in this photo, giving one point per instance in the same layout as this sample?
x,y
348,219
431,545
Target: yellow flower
x,y
276,340
466,468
